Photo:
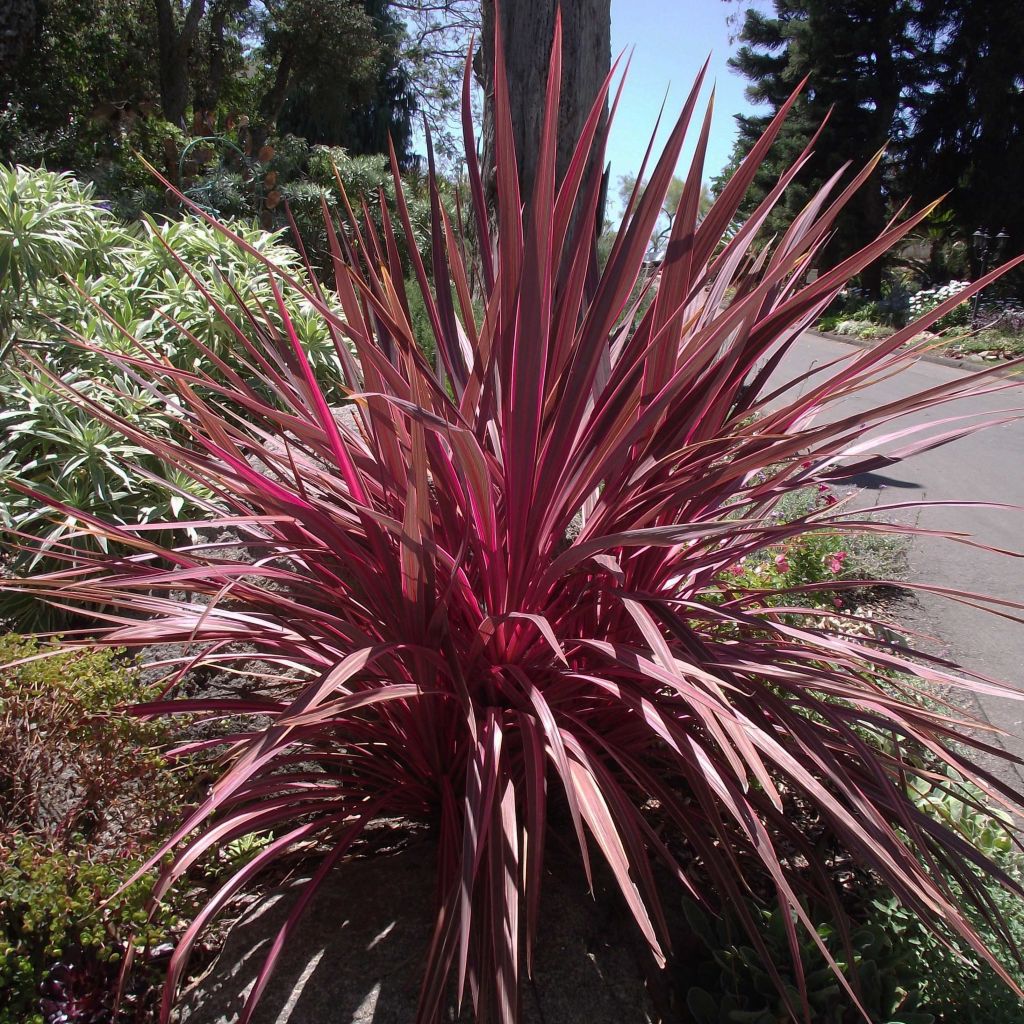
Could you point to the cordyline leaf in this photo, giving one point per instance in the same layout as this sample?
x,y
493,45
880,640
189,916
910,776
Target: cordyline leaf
x,y
492,592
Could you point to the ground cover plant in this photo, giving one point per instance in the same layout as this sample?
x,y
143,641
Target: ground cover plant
x,y
492,586
908,975
812,560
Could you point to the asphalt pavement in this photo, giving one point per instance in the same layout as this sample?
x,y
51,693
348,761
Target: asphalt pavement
x,y
986,466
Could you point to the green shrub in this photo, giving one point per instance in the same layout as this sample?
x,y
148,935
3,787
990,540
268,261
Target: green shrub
x,y
72,762
50,224
1001,343
815,559
126,285
84,791
288,176
61,451
926,299
145,288
50,905
906,974
853,314
733,983
109,159
862,328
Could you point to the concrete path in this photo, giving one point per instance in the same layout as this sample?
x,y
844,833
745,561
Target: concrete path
x,y
988,466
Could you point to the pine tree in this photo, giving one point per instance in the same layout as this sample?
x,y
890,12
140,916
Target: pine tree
x,y
859,57
967,118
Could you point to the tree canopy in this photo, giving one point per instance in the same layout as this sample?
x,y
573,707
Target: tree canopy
x,y
966,133
940,83
331,70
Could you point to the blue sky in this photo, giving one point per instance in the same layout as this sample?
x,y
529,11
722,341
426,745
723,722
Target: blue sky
x,y
670,40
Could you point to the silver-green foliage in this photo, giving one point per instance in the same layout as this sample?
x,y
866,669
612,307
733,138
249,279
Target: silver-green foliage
x,y
147,294
71,273
50,224
53,447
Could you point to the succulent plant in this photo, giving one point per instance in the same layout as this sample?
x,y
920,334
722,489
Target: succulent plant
x,y
80,989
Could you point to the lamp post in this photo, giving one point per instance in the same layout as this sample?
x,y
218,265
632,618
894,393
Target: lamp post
x,y
986,247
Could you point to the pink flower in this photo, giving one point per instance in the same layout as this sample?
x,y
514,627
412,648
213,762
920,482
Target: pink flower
x,y
781,563
835,562
837,601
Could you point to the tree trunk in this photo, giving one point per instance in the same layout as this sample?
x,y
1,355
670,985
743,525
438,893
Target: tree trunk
x,y
175,47
210,93
272,102
527,29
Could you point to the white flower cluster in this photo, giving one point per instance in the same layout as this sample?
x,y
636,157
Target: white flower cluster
x,y
928,298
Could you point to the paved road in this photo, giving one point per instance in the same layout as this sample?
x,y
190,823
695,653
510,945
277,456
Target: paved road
x,y
987,466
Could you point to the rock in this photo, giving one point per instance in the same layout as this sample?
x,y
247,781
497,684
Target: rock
x,y
356,956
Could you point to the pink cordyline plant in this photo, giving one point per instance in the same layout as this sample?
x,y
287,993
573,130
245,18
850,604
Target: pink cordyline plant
x,y
492,589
